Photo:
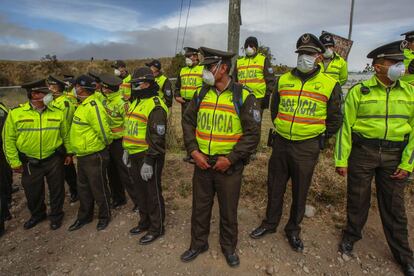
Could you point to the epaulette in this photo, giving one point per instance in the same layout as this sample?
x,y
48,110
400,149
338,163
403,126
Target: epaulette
x,y
248,89
156,100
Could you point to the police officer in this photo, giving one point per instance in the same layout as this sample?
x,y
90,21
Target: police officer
x,y
333,64
165,89
409,58
120,70
116,108
255,71
190,78
144,142
62,102
305,110
90,135
34,137
377,139
5,172
220,129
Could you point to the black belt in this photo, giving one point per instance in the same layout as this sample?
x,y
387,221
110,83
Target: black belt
x,y
34,161
378,143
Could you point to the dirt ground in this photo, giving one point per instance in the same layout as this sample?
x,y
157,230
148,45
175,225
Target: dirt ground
x,y
40,251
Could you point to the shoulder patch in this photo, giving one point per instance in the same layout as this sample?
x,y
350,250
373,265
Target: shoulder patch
x,y
161,130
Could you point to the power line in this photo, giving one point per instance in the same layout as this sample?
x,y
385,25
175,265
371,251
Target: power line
x,y
186,22
178,29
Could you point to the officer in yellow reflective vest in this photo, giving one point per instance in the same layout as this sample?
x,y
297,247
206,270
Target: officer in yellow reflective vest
x,y
90,136
333,64
6,175
409,58
34,137
377,139
220,129
305,109
116,108
121,71
62,102
189,79
165,88
144,144
255,71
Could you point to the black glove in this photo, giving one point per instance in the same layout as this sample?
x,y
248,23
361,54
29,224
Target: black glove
x,y
265,102
411,67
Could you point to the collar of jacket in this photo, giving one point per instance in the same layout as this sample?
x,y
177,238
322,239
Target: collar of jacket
x,y
89,99
111,96
306,76
27,106
374,81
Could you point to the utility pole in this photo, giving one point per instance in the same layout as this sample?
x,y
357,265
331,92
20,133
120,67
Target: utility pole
x,y
234,23
351,19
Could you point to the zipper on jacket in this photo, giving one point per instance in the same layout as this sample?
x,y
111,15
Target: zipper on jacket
x,y
296,109
40,130
212,125
386,113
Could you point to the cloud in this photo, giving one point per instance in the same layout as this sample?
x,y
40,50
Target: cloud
x,y
277,24
96,14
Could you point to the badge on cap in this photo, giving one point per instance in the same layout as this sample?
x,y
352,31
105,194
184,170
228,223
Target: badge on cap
x,y
270,70
305,38
161,129
404,45
168,92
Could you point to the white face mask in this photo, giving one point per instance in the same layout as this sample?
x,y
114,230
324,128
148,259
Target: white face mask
x,y
328,53
306,63
250,51
396,71
188,61
117,72
48,98
209,77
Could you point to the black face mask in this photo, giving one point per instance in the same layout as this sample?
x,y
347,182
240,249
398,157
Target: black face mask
x,y
144,93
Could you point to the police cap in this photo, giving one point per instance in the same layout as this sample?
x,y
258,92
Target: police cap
x,y
156,63
189,51
309,43
36,86
327,39
251,41
86,82
142,74
95,75
110,81
409,36
118,64
52,80
211,56
393,51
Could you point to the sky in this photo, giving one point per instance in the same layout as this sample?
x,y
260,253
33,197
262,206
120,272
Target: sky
x,y
133,29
